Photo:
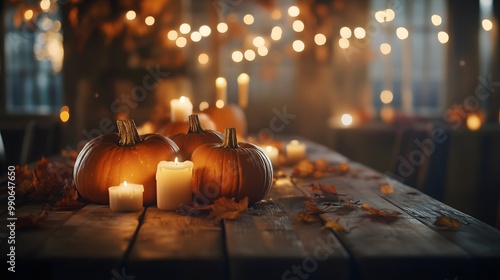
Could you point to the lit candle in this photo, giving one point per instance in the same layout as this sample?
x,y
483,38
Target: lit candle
x,y
173,184
126,197
473,122
272,153
180,109
295,151
221,89
243,80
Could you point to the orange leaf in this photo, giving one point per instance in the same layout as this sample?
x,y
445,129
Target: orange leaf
x,y
386,188
224,208
344,167
335,226
379,213
324,189
447,222
311,208
306,217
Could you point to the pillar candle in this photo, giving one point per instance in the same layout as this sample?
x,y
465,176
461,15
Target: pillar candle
x,y
221,89
180,109
173,184
295,151
272,153
243,81
126,197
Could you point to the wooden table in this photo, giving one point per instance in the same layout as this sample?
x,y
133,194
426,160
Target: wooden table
x,y
268,242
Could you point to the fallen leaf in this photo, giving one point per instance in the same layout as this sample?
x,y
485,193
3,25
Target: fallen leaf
x,y
383,215
344,167
30,221
324,189
335,226
311,208
303,168
447,222
306,217
224,208
386,188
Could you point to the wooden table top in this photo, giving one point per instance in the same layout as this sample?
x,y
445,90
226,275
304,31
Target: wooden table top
x,y
267,242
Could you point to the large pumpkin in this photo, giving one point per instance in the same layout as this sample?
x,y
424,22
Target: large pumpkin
x,y
194,137
228,116
110,159
232,170
173,128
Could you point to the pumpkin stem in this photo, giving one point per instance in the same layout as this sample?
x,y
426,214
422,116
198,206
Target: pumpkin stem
x,y
194,124
230,139
128,133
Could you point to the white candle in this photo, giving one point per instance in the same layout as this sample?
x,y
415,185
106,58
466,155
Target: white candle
x,y
126,197
180,109
272,153
243,81
173,184
221,89
295,151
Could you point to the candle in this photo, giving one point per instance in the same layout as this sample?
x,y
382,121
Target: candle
x,y
473,122
173,184
126,197
272,153
221,89
295,151
243,80
180,109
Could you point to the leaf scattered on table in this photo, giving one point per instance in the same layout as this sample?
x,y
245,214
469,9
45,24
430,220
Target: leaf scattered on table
x,y
312,208
307,217
323,188
447,222
386,188
316,169
30,221
335,226
383,215
224,208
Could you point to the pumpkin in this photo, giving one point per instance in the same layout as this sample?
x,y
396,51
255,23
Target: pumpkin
x,y
195,136
173,128
231,170
228,116
112,158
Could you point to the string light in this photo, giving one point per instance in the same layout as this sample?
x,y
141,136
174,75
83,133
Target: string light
x,y
45,5
28,14
203,105
344,43
205,30
298,26
172,35
248,19
293,11
237,56
249,55
185,28
298,45
487,24
386,96
346,119
402,33
436,20
276,33
181,42
443,37
130,15
203,58
149,20
222,27
262,51
345,32
385,48
196,36
258,41
359,32
320,39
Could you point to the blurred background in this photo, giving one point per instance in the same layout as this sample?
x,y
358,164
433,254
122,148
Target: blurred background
x,y
409,88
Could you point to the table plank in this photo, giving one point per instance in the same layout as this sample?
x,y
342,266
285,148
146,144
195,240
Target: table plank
x,y
177,246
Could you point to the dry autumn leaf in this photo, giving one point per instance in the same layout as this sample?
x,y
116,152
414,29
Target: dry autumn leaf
x,y
306,217
335,226
225,208
379,214
311,208
447,222
386,188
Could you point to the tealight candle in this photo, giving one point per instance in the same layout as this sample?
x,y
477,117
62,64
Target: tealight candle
x,y
243,81
272,153
295,151
221,89
126,197
180,109
173,184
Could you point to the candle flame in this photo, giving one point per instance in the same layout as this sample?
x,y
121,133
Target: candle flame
x,y
176,161
182,99
219,104
294,142
124,183
269,148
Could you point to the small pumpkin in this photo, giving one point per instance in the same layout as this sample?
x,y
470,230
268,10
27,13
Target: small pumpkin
x,y
231,170
228,116
173,128
110,159
195,136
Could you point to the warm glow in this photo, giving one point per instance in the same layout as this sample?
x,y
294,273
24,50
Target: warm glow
x,y
176,161
243,78
346,119
203,58
387,114
205,30
237,56
249,55
248,19
219,104
436,20
443,37
298,26
149,20
222,27
487,24
183,99
359,32
258,41
386,96
262,51
276,33
28,14
64,108
220,82
293,11
45,5
385,48
172,35
195,36
124,183
473,122
185,28
298,45
320,39
276,14
203,105
385,16
181,42
294,142
64,116
344,43
402,33
345,32
130,15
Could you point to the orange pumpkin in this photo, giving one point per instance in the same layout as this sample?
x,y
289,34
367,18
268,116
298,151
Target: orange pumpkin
x,y
110,159
195,136
173,128
231,170
228,116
